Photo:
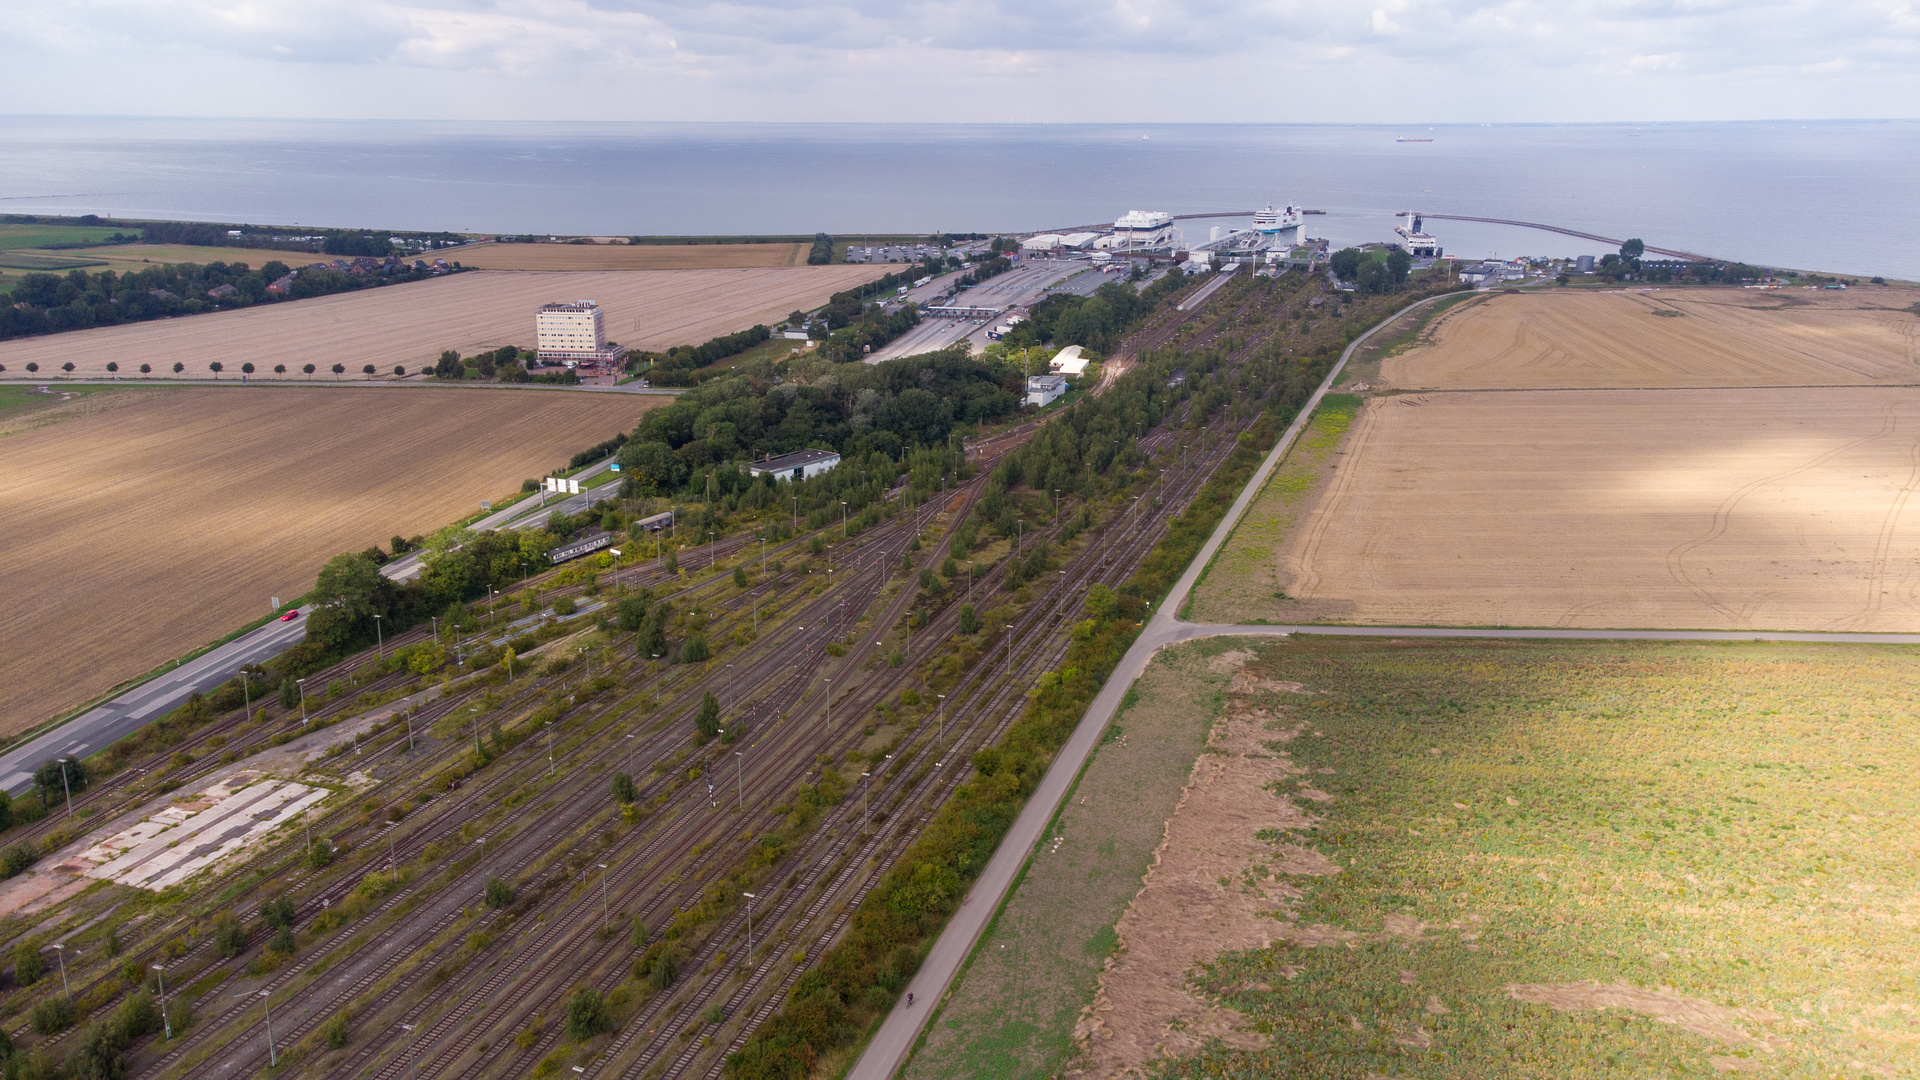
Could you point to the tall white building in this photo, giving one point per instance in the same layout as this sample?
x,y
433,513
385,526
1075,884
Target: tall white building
x,y
573,333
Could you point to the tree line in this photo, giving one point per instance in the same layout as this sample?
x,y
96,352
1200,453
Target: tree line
x,y
51,303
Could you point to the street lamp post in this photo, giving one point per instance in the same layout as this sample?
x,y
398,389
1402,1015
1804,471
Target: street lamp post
x,y
605,913
246,693
943,716
843,519
549,726
303,701
67,785
165,1020
750,899
60,950
866,784
739,780
379,638
436,628
630,744
413,1035
273,1054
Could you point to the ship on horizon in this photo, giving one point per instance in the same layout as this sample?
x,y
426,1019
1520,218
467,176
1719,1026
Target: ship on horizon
x,y
1404,138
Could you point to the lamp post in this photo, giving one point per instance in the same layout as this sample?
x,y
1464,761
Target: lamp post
x,y
630,744
436,628
303,701
379,638
605,916
60,950
246,693
749,957
273,1055
739,779
413,1035
549,727
843,519
866,784
66,785
165,1020
943,716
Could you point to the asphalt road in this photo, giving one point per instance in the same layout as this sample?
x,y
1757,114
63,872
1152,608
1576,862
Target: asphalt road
x,y
891,1044
521,515
99,726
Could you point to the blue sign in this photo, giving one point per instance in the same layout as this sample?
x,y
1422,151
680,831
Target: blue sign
x,y
615,466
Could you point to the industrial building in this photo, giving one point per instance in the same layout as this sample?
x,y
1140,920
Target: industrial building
x,y
1044,390
799,465
573,334
1042,242
1068,362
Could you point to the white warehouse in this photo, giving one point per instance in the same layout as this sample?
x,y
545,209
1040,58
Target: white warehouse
x,y
799,465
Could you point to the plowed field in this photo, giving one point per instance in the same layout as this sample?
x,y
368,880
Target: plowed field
x,y
410,324
136,534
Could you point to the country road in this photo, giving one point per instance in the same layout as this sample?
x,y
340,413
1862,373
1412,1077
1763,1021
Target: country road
x,y
894,1040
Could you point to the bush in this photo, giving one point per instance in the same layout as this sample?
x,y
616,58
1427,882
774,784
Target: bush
x,y
277,913
320,856
565,606
587,1015
53,1014
335,1033
28,964
138,1016
229,936
101,1054
969,619
694,650
283,942
660,976
17,858
179,1015
740,577
499,893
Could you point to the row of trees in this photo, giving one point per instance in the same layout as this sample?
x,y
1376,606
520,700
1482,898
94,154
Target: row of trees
x,y
1372,276
50,303
1098,321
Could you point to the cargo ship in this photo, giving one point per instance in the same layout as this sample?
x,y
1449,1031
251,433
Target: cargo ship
x,y
1403,138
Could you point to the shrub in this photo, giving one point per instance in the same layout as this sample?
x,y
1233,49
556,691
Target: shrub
x,y
694,650
101,1053
138,1015
17,858
969,619
740,577
228,936
624,789
179,1015
335,1033
28,965
587,1015
320,856
277,912
53,1014
660,975
565,606
499,893
283,942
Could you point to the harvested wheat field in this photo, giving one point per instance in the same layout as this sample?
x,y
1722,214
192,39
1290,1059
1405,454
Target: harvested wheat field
x,y
1585,461
1667,338
134,534
1771,509
628,256
410,324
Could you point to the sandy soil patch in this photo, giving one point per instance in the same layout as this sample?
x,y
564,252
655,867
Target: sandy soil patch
x,y
1213,887
1668,338
1765,509
410,324
133,535
629,256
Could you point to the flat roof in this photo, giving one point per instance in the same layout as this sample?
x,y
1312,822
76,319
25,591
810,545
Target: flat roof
x,y
793,461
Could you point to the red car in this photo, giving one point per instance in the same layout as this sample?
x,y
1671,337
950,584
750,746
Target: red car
x,y
291,615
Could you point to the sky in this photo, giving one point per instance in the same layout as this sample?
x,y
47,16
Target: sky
x,y
965,61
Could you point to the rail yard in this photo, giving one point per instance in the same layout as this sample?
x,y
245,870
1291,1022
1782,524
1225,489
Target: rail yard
x,y
475,901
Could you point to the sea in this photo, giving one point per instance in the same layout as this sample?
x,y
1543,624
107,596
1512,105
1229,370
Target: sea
x,y
1827,196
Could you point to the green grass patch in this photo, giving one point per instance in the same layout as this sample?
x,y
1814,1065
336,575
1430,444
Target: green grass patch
x,y
39,236
1724,829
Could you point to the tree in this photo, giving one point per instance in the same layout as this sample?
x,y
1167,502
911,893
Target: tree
x,y
740,577
277,913
499,893
246,368
624,789
32,367
289,692
1101,602
308,369
367,369
216,367
348,593
56,778
113,367
279,369
101,1053
1345,263
587,1015
146,369
138,1015
969,619
67,367
336,1031
178,367
1398,265
339,370
399,369
1633,249
707,723
283,942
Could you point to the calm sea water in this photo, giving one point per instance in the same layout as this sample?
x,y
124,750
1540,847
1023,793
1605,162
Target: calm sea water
x,y
1827,196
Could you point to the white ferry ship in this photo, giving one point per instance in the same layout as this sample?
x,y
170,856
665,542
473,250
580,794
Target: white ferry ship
x,y
1276,221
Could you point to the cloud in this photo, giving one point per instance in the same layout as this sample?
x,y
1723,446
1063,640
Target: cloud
x,y
1012,59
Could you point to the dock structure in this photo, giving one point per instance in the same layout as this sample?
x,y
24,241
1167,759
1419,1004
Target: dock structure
x,y
959,311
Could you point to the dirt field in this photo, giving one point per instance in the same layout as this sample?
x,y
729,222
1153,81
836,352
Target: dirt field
x,y
1012,1012
1753,507
628,256
410,324
1666,338
1490,861
134,534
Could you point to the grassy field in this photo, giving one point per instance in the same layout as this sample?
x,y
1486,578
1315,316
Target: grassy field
x,y
1011,1013
410,324
137,532
1536,859
628,256
33,236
